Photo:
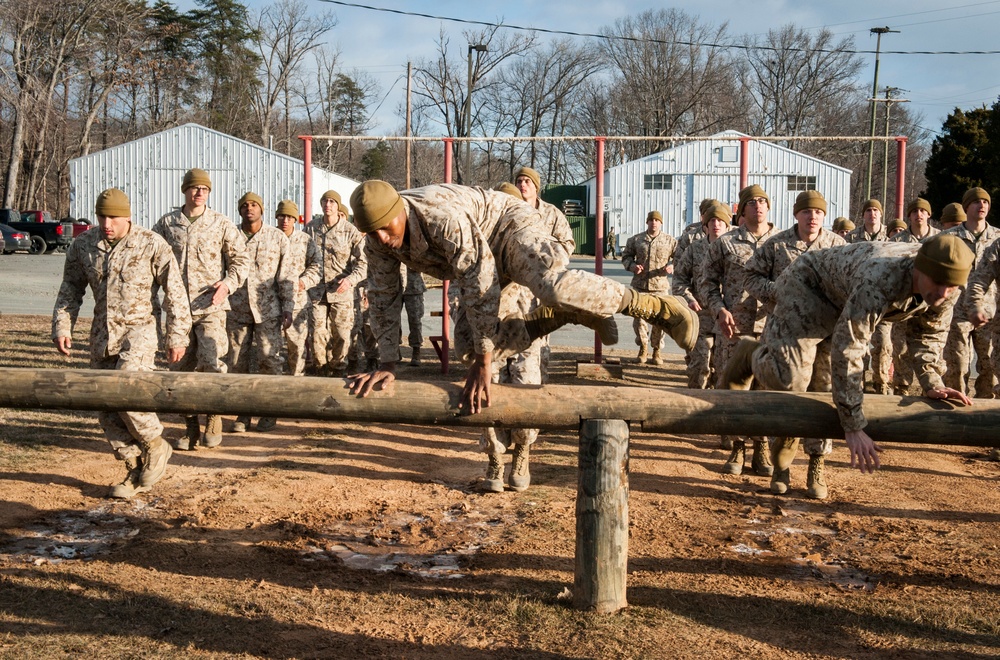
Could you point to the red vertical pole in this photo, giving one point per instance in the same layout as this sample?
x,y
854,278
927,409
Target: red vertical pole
x,y
307,159
744,162
599,234
900,174
445,309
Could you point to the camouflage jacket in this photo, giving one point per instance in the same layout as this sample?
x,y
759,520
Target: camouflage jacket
x,y
859,235
341,248
270,287
984,298
774,256
557,225
453,233
869,282
686,270
415,285
209,250
722,281
654,254
122,280
906,236
693,233
304,265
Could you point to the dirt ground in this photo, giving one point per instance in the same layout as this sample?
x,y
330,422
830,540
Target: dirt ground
x,y
322,540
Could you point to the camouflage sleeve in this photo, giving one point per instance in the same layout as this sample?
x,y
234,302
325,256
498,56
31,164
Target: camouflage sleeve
x,y
926,335
563,233
385,301
287,280
167,274
850,340
709,279
314,262
71,292
683,284
758,282
628,254
234,248
357,267
981,279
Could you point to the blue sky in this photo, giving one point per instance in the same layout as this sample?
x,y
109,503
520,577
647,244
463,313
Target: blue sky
x,y
380,43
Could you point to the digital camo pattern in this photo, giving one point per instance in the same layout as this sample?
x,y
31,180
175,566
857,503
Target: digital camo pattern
x,y
693,233
341,249
906,236
654,254
844,293
269,290
208,250
774,256
686,269
861,235
480,240
722,282
305,264
413,302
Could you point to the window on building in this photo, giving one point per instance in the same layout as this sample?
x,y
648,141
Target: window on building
x,y
729,154
798,183
658,182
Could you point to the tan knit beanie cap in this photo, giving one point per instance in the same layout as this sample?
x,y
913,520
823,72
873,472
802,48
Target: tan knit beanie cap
x,y
113,203
375,204
946,259
196,177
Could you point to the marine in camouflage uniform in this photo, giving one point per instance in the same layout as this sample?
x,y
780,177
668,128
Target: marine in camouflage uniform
x,y
717,220
345,265
964,337
763,270
649,257
262,307
364,346
413,303
213,260
919,230
121,262
880,356
482,240
304,264
722,285
843,293
695,231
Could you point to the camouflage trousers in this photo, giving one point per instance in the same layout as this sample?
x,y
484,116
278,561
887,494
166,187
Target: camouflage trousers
x,y
643,337
364,345
963,342
725,347
332,323
255,347
128,431
881,358
209,345
523,368
414,306
699,359
296,336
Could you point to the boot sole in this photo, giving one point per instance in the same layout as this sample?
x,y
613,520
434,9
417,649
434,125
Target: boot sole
x,y
491,486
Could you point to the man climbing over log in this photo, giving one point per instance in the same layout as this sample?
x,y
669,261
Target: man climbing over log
x,y
482,240
844,293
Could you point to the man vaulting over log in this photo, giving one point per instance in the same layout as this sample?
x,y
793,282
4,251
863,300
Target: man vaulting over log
x,y
482,240
844,293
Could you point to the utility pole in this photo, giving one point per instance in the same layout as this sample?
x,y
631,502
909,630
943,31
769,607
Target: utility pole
x,y
467,173
871,144
888,100
409,108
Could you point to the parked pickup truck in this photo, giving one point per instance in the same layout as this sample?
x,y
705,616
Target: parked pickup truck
x,y
46,233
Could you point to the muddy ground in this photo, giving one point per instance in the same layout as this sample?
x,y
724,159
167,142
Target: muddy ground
x,y
321,540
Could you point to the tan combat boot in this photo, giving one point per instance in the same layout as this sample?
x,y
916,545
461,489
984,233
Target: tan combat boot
x,y
738,372
192,434
761,463
494,475
241,424
734,464
130,486
666,312
815,481
155,455
213,431
415,358
546,320
265,424
782,454
520,477
656,359
726,442
641,357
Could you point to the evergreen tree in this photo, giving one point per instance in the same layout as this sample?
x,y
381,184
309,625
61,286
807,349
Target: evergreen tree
x,y
960,157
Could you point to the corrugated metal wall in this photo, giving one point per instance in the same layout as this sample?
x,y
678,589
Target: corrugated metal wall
x,y
150,171
711,169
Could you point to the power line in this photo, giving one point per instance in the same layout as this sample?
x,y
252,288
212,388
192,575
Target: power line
x,y
868,21
607,37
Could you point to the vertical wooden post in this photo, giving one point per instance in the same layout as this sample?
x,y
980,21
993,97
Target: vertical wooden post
x,y
599,234
602,517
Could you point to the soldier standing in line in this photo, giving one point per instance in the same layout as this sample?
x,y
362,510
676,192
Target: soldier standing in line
x,y
696,230
842,227
843,293
722,285
304,264
611,245
965,335
482,240
121,262
716,220
214,263
880,356
344,266
763,270
413,303
952,216
262,307
649,256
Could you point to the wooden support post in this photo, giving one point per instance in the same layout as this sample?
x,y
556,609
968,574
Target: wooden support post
x,y
602,517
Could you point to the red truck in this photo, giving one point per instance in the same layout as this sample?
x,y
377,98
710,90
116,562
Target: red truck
x,y
46,232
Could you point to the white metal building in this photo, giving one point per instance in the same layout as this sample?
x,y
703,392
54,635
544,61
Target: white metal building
x,y
675,181
150,171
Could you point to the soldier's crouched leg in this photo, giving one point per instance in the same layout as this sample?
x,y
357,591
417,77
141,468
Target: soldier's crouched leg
x,y
817,449
212,437
155,455
666,312
783,452
131,454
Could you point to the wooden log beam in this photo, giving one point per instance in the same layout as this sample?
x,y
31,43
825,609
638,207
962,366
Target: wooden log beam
x,y
699,412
